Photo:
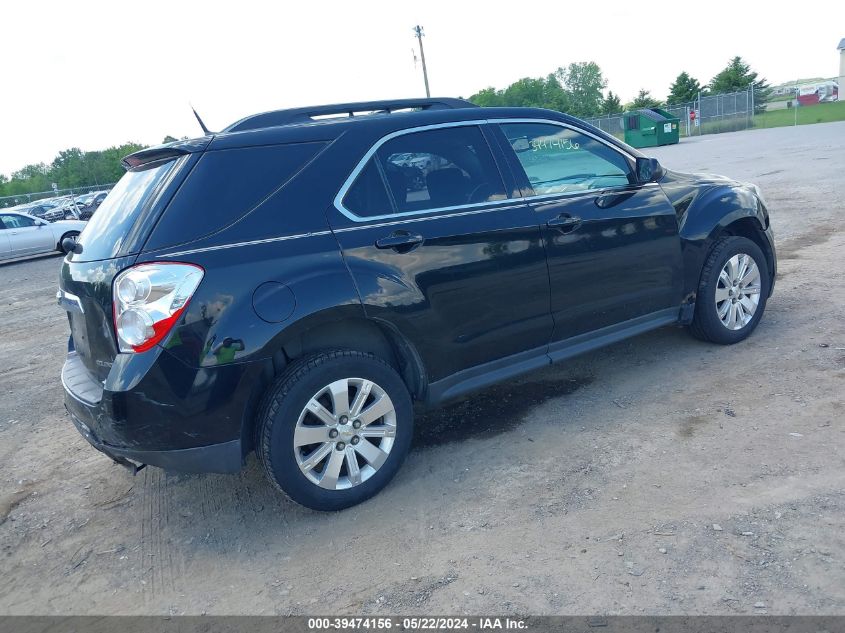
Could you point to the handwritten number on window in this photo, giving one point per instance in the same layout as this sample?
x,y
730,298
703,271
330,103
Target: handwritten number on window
x,y
555,143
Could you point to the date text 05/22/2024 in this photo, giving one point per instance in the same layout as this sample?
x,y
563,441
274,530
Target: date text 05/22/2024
x,y
417,623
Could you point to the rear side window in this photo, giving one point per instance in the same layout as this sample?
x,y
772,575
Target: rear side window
x,y
423,171
224,186
106,233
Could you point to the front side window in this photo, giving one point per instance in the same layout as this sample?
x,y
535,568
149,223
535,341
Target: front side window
x,y
16,221
423,171
560,160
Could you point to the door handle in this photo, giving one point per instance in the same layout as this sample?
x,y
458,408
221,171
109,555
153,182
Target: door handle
x,y
400,241
564,222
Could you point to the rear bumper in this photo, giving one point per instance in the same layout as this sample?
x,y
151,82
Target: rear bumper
x,y
217,458
155,410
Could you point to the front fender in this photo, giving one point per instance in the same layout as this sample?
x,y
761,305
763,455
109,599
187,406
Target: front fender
x,y
705,209
717,207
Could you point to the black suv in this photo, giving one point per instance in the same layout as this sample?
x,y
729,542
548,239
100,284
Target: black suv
x,y
295,283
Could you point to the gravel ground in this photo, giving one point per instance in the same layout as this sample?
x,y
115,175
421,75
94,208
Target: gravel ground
x,y
661,475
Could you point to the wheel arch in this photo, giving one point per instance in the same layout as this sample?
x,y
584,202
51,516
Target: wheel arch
x,y
749,228
718,212
364,335
336,330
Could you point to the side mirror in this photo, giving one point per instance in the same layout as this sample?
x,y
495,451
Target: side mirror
x,y
649,170
70,245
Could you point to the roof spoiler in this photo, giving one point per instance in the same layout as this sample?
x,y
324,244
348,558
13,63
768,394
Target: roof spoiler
x,y
309,114
167,151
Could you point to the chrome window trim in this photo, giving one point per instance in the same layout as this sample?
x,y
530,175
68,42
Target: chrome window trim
x,y
488,206
403,220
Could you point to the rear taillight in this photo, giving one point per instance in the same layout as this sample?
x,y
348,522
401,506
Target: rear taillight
x,y
148,299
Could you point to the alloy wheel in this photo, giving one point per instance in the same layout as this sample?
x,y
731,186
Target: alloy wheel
x,y
738,291
344,433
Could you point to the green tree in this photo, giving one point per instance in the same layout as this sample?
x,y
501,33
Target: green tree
x,y
583,82
645,100
169,139
576,89
736,76
684,89
611,104
72,168
555,97
527,92
487,98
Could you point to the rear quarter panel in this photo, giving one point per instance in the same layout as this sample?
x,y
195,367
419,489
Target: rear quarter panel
x,y
221,324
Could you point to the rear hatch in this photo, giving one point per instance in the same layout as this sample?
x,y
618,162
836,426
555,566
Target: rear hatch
x,y
111,241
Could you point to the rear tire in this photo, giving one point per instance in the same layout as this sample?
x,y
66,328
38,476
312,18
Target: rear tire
x,y
732,292
358,412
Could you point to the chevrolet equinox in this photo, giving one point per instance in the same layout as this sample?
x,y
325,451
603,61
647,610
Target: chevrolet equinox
x,y
293,284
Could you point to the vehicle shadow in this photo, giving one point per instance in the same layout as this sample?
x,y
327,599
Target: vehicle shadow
x,y
212,511
491,412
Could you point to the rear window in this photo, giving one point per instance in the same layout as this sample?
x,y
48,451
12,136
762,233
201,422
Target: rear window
x,y
109,231
224,186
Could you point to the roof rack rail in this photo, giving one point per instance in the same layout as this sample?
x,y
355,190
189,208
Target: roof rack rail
x,y
310,114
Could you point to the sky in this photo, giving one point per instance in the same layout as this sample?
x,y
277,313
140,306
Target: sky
x,y
93,74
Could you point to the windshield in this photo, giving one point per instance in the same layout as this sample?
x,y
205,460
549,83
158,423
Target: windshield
x,y
107,233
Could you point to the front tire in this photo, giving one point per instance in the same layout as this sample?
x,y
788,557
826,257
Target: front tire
x,y
335,428
732,292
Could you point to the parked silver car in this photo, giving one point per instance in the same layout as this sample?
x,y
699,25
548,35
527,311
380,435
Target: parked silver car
x,y
22,234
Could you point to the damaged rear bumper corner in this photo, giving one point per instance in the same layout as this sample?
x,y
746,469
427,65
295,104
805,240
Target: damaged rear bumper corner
x,y
216,458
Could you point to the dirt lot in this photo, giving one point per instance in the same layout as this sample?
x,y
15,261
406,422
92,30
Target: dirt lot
x,y
661,475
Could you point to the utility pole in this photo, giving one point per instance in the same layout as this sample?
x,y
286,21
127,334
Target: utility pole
x,y
419,32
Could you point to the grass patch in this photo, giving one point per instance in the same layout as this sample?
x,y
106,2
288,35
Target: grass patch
x,y
804,115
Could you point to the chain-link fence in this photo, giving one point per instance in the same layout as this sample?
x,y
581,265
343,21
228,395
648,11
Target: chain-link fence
x,y
26,198
724,113
708,114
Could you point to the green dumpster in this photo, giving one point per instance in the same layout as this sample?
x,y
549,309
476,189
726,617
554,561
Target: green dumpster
x,y
650,127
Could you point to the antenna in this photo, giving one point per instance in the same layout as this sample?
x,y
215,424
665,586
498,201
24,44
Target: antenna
x,y
202,125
